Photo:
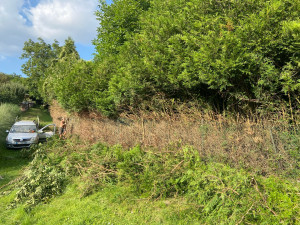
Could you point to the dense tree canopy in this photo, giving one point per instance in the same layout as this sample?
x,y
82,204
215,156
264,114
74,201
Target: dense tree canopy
x,y
229,54
232,52
117,21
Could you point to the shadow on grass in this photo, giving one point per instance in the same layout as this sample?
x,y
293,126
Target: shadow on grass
x,y
11,164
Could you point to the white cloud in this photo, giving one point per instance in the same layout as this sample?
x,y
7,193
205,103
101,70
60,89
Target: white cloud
x,y
13,30
58,19
48,19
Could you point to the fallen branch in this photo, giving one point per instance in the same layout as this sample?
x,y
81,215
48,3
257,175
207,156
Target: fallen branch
x,y
243,217
261,195
12,182
177,166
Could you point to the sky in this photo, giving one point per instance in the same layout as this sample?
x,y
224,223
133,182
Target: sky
x,y
21,20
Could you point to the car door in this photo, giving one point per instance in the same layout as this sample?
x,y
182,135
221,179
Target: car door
x,y
47,132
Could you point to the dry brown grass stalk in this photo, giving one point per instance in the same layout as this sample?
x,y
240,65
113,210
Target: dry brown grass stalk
x,y
233,140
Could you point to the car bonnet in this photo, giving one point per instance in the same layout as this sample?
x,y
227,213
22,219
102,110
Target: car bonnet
x,y
22,135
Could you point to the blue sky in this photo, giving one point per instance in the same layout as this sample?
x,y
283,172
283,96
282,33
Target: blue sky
x,y
48,19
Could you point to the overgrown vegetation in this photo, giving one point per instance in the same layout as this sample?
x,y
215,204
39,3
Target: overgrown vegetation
x,y
163,58
215,193
8,114
267,146
178,183
229,55
11,89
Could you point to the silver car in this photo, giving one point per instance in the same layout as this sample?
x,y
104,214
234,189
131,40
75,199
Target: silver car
x,y
25,133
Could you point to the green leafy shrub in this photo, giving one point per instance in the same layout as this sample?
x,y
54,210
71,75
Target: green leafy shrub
x,y
42,180
12,93
240,54
8,114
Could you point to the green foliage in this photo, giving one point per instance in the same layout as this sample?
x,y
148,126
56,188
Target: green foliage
x,y
42,180
232,55
8,114
12,89
70,80
39,56
116,21
12,92
42,60
71,85
214,192
4,78
217,189
68,49
239,52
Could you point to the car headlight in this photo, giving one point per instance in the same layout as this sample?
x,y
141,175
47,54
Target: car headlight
x,y
9,139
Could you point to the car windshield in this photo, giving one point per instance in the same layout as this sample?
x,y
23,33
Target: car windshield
x,y
23,129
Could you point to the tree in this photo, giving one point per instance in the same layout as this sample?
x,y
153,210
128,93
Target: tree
x,y
12,92
68,79
39,57
233,52
117,20
4,78
68,50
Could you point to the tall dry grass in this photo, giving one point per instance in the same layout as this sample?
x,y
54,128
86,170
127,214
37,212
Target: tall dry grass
x,y
264,146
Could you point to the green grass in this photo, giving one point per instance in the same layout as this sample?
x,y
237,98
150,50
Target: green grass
x,y
11,164
146,186
112,205
34,113
12,161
